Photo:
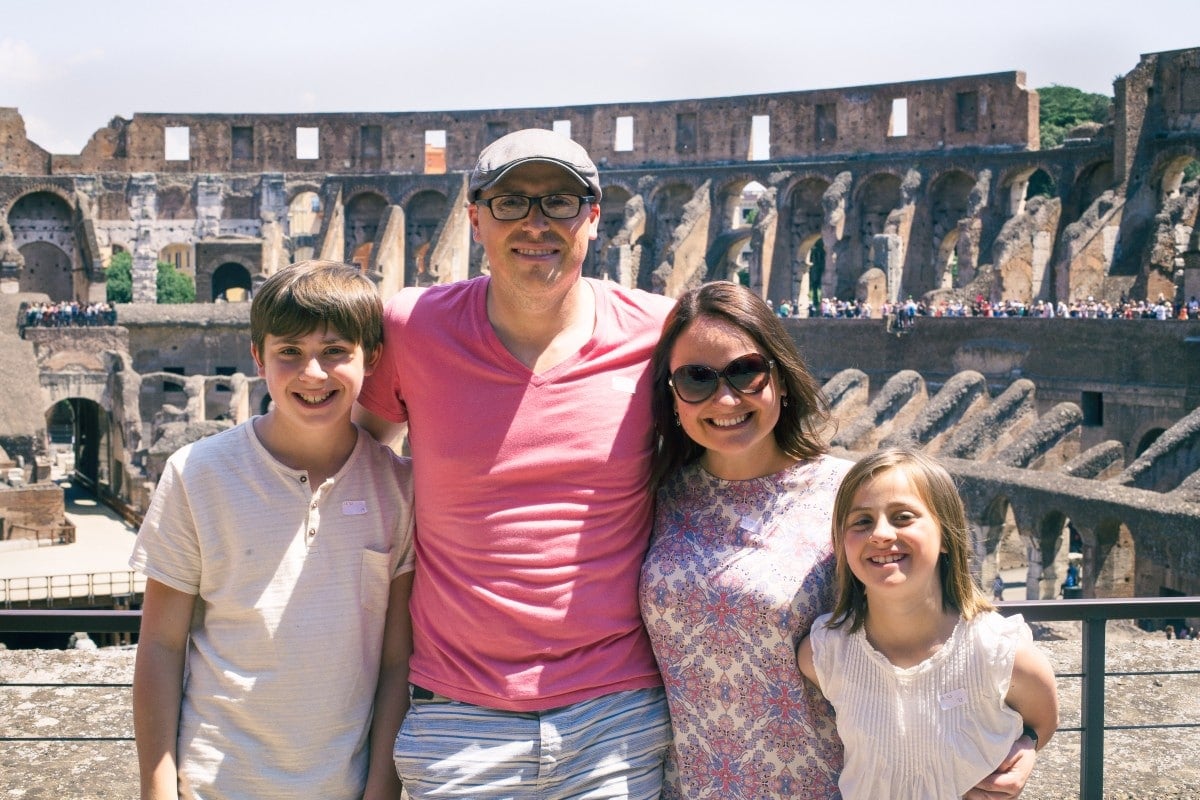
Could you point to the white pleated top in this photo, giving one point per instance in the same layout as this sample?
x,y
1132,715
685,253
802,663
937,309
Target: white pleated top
x,y
929,731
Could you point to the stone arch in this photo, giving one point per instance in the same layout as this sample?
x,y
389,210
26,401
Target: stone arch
x,y
39,198
1040,185
1050,548
622,264
1092,181
996,524
737,199
1147,438
231,283
806,256
43,233
725,255
424,215
1148,430
612,210
47,270
90,439
664,213
304,217
60,423
1170,169
364,213
1028,181
875,199
729,253
949,202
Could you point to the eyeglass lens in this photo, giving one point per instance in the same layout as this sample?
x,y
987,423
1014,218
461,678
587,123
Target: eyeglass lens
x,y
748,374
509,207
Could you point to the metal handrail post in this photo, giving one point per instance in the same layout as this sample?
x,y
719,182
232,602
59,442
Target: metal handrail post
x,y
1091,741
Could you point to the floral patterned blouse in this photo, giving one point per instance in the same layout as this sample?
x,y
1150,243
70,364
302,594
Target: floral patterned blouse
x,y
736,573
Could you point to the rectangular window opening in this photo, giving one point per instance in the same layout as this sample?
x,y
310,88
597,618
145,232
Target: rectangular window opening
x,y
370,141
966,112
177,143
173,386
898,122
435,152
1092,406
760,138
225,371
308,144
623,141
685,132
826,122
241,142
562,127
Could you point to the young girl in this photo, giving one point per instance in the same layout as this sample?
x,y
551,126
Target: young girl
x,y
929,684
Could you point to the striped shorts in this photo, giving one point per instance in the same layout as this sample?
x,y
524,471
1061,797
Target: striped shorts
x,y
609,747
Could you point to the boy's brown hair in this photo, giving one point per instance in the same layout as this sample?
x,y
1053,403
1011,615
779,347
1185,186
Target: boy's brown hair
x,y
311,294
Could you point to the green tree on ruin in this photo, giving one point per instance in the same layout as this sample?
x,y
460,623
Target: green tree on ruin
x,y
172,286
119,281
1064,107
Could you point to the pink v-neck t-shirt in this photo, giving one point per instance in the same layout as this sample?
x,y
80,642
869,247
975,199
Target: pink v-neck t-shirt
x,y
532,503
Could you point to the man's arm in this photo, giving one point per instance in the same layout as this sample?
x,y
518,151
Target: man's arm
x,y
158,687
384,431
391,694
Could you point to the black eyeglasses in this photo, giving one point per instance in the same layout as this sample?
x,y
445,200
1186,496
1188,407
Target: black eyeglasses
x,y
748,374
510,207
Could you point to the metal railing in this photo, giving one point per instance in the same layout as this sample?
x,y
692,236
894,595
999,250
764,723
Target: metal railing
x,y
46,589
1093,613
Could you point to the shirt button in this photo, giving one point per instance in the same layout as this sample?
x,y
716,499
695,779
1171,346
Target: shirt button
x,y
312,532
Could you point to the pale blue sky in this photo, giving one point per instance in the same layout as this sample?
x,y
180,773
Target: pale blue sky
x,y
72,65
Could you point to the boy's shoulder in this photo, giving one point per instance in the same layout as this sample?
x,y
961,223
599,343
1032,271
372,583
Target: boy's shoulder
x,y
376,456
211,441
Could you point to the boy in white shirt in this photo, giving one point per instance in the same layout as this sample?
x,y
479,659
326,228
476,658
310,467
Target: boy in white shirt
x,y
279,557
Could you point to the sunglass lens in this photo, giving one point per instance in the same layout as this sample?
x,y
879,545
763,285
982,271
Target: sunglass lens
x,y
695,383
748,374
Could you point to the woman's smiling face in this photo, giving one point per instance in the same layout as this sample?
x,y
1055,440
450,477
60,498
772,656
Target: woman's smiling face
x,y
736,429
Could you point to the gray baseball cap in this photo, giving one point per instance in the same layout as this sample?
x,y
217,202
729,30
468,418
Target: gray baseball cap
x,y
532,144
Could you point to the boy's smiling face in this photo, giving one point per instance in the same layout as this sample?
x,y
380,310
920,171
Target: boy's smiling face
x,y
313,378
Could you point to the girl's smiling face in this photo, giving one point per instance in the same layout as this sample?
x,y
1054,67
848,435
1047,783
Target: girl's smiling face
x,y
892,540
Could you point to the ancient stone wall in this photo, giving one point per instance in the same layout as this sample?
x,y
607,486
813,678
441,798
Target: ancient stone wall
x,y
972,111
36,505
937,184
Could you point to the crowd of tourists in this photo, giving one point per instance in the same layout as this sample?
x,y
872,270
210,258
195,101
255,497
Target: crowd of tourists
x,y
1091,308
68,313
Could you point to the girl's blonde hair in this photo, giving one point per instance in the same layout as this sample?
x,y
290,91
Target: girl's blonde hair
x,y
937,490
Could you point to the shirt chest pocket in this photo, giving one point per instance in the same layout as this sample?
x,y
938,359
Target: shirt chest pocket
x,y
374,580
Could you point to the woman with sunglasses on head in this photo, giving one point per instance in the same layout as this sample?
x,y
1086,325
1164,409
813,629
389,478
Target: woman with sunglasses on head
x,y
741,561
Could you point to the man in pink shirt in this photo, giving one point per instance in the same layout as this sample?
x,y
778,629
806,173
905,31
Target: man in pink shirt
x,y
526,394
